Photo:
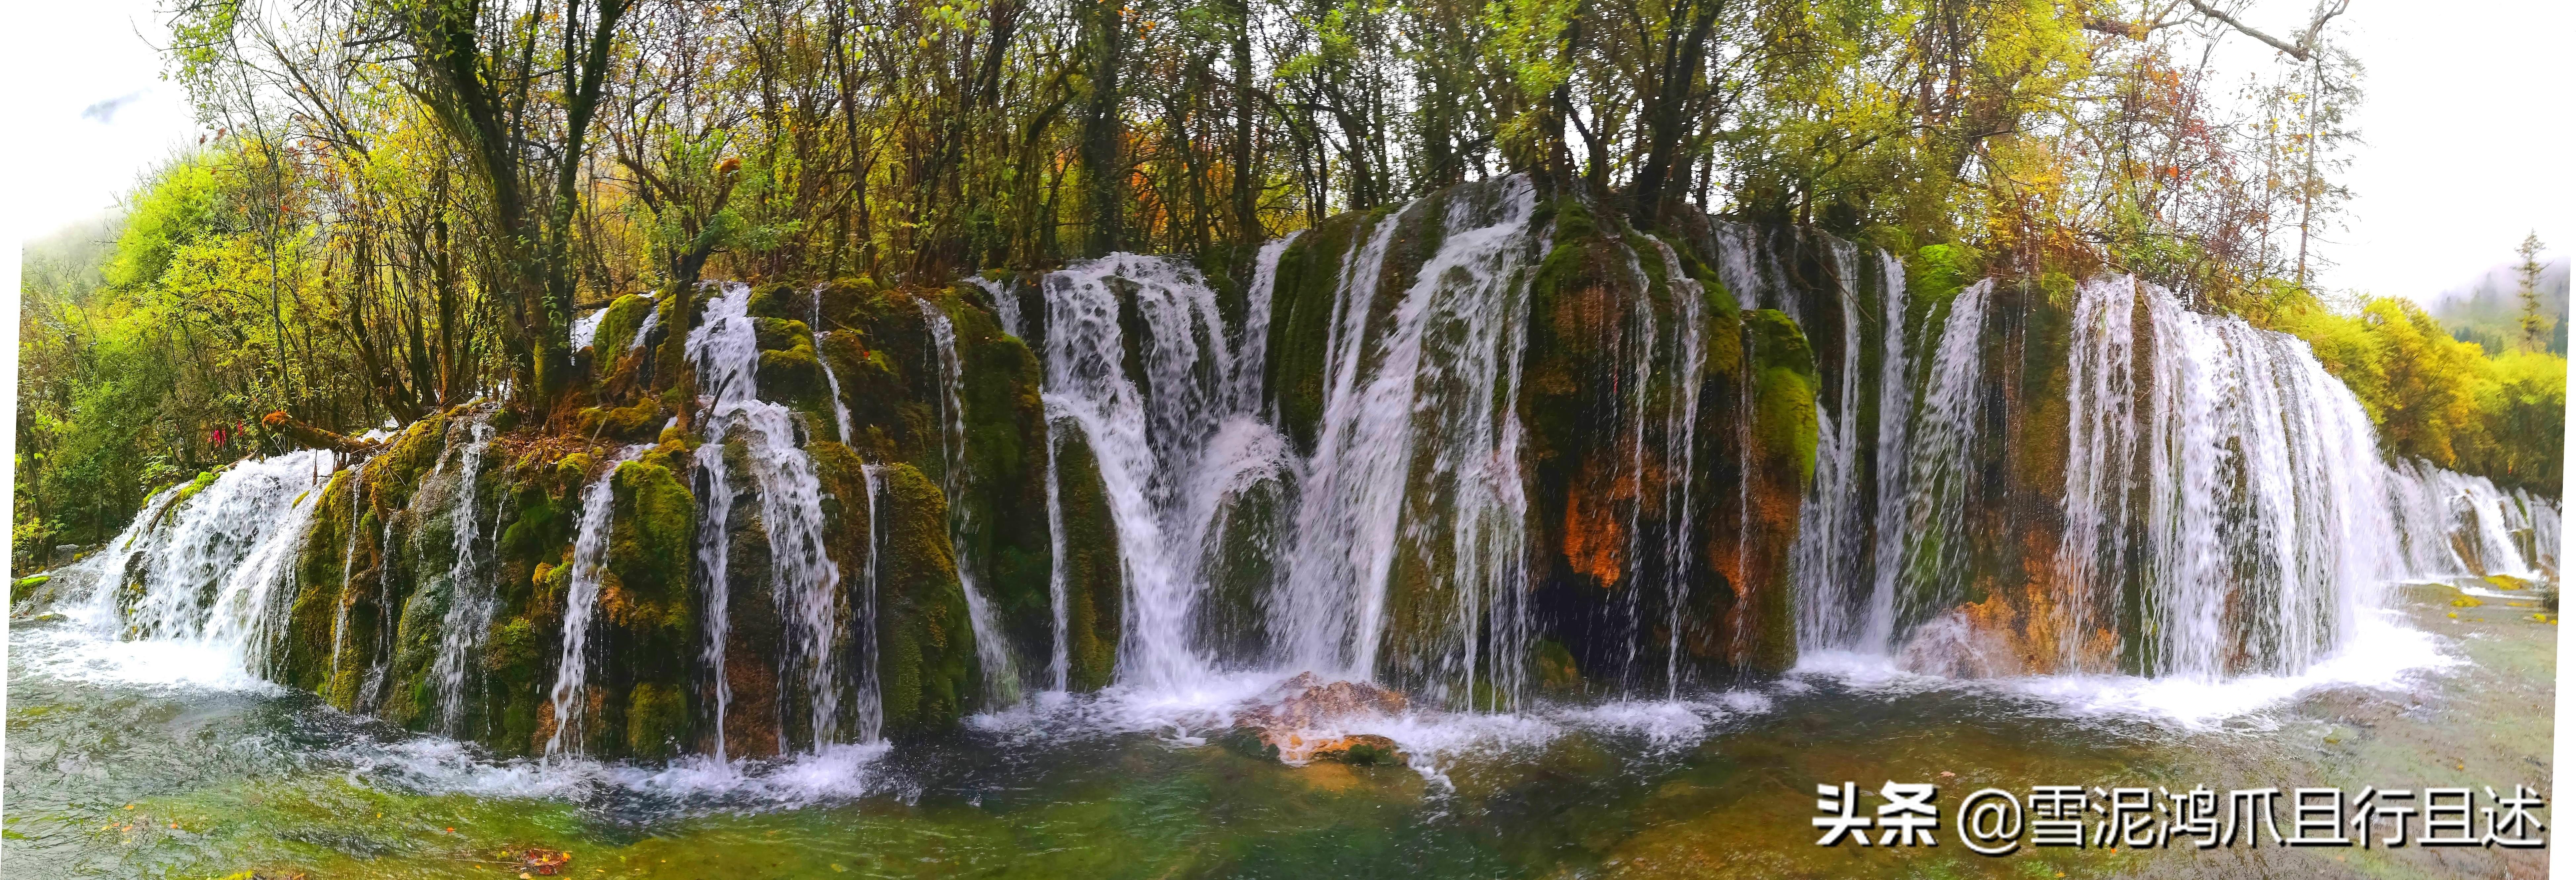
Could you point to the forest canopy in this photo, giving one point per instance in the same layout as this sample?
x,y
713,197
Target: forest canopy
x,y
402,204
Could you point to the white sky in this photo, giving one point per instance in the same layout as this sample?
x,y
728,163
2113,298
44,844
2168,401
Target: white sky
x,y
2467,138
2468,142
68,59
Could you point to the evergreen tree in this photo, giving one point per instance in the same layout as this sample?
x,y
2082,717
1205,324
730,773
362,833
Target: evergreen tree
x,y
2535,326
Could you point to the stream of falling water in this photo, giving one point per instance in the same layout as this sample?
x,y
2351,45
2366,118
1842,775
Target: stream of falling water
x,y
1001,672
1151,441
803,577
1433,380
469,592
212,579
714,567
1681,445
571,695
831,377
1931,568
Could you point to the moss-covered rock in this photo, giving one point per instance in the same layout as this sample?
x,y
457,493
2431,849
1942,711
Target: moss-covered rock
x,y
1095,580
926,651
617,326
1650,484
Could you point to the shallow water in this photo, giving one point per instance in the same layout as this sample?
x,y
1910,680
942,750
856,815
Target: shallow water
x,y
142,760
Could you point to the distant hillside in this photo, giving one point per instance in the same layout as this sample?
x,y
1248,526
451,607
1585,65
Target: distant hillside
x,y
2487,311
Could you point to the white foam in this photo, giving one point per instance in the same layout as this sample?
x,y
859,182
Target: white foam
x,y
443,766
2382,654
1667,724
81,654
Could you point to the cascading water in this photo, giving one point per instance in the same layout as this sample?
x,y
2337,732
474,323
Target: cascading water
x,y
2455,524
1930,573
804,579
1154,442
1895,435
214,559
715,583
1006,304
1001,672
1680,450
2216,480
1059,571
1831,551
831,378
585,329
469,592
644,329
571,696
2269,519
107,601
1436,379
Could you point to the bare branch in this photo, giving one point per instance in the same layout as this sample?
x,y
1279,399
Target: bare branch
x,y
2303,50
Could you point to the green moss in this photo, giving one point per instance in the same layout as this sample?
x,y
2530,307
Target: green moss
x,y
926,653
1938,272
204,479
657,716
1006,537
1785,394
574,469
1095,586
410,697
779,301
301,658
639,421
618,325
1302,303
394,473
651,539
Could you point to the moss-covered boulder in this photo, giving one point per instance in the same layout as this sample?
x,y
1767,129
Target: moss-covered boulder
x,y
925,645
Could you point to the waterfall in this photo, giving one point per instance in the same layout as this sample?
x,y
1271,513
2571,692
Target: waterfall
x,y
571,697
1895,438
586,328
2269,519
1446,364
870,714
2101,444
831,379
469,596
213,560
1001,673
1006,304
1828,557
802,576
1253,349
107,602
1151,440
644,329
1059,571
714,579
1931,568
2452,524
1681,446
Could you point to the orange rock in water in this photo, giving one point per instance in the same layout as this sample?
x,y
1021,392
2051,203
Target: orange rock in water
x,y
1304,717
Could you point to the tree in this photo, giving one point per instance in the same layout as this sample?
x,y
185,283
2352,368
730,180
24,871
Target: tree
x,y
2535,325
